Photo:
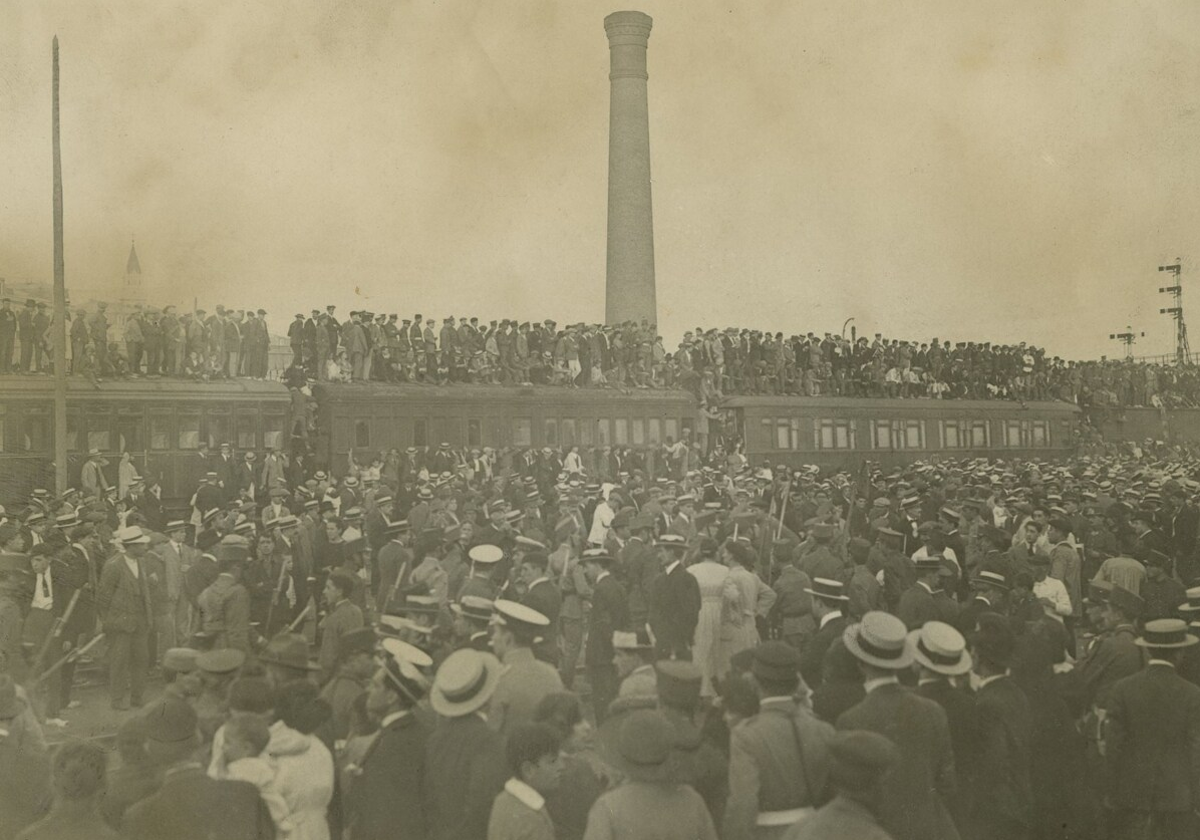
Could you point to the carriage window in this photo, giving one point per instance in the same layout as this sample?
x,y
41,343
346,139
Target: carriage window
x,y
130,437
639,431
273,431
603,432
768,425
950,436
568,432
189,431
672,428
362,433
686,427
99,439
783,437
522,431
834,434
550,432
420,438
899,434
964,434
1041,434
654,430
586,438
218,430
160,431
621,431
247,431
474,433
72,433
37,432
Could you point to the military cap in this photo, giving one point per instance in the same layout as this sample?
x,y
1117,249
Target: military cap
x,y
775,661
220,661
678,683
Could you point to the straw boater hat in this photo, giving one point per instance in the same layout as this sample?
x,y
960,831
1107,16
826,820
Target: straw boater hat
x,y
940,648
474,607
881,640
828,590
672,541
465,683
404,665
990,578
486,554
1193,601
1166,633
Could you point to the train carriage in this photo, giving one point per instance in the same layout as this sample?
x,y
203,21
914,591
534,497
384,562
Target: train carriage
x,y
843,433
160,422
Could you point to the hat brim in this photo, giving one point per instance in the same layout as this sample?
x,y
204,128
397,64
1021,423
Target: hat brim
x,y
963,666
450,708
1188,641
287,663
850,640
822,595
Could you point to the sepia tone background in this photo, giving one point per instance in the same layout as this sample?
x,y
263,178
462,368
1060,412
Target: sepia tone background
x,y
999,171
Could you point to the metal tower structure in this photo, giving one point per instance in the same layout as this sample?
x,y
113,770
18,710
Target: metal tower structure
x,y
1182,351
1127,338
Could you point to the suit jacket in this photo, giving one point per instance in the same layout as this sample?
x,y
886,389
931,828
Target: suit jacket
x,y
1003,794
961,715
389,800
915,793
522,686
917,606
191,806
1113,659
512,819
841,818
545,597
674,610
610,612
1153,746
175,563
123,600
465,767
812,657
342,619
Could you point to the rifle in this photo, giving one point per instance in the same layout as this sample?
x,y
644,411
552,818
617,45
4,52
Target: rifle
x,y
283,569
72,655
56,632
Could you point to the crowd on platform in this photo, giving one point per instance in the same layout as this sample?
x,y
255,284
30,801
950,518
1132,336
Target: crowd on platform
x,y
968,649
711,363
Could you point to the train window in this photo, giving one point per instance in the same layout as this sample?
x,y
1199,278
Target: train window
x,y
639,431
834,434
189,431
687,427
1040,433
980,434
218,430
1016,433
783,437
273,431
672,428
603,432
362,433
898,434
420,437
474,433
72,433
36,432
130,437
522,431
247,432
586,428
99,439
568,432
654,430
621,431
550,432
160,431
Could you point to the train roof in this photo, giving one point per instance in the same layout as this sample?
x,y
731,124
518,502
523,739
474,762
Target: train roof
x,y
145,389
879,404
483,393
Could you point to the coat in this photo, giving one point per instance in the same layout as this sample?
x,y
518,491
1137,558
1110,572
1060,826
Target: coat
x,y
1003,794
916,792
388,800
225,613
304,777
610,612
465,767
191,806
522,686
812,656
917,606
1153,744
342,619
1114,658
513,816
842,819
961,715
674,611
778,760
641,809
123,601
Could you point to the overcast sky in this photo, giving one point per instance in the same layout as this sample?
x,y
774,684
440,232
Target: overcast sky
x,y
996,171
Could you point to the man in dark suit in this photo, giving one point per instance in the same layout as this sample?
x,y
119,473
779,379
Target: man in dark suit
x,y
610,612
387,795
914,798
917,603
123,602
829,597
189,805
541,594
674,601
1153,742
1002,807
940,653
990,587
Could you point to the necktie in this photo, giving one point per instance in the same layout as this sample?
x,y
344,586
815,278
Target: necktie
x,y
45,587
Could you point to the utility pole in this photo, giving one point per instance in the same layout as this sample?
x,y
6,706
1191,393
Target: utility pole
x,y
1127,338
60,300
1182,351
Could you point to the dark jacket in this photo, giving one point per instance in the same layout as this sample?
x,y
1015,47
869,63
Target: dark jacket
x,y
465,767
191,806
1003,794
388,801
961,715
123,600
674,609
610,612
812,657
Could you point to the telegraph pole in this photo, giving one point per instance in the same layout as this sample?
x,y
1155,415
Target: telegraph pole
x,y
60,300
1182,351
1127,338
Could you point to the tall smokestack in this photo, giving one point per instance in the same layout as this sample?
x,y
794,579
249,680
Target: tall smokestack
x,y
630,288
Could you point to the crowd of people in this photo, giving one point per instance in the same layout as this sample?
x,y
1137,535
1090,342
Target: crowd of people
x,y
711,363
970,649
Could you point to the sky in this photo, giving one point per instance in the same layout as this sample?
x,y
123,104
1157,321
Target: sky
x,y
995,171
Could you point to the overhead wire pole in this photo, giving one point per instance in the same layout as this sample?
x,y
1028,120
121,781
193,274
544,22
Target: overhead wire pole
x,y
1127,338
1183,352
60,300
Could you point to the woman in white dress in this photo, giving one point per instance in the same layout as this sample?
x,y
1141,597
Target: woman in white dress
x,y
752,598
716,595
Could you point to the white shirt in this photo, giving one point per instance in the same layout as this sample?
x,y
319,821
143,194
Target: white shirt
x,y
830,616
132,563
43,601
988,680
392,718
602,518
1056,591
671,568
871,685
